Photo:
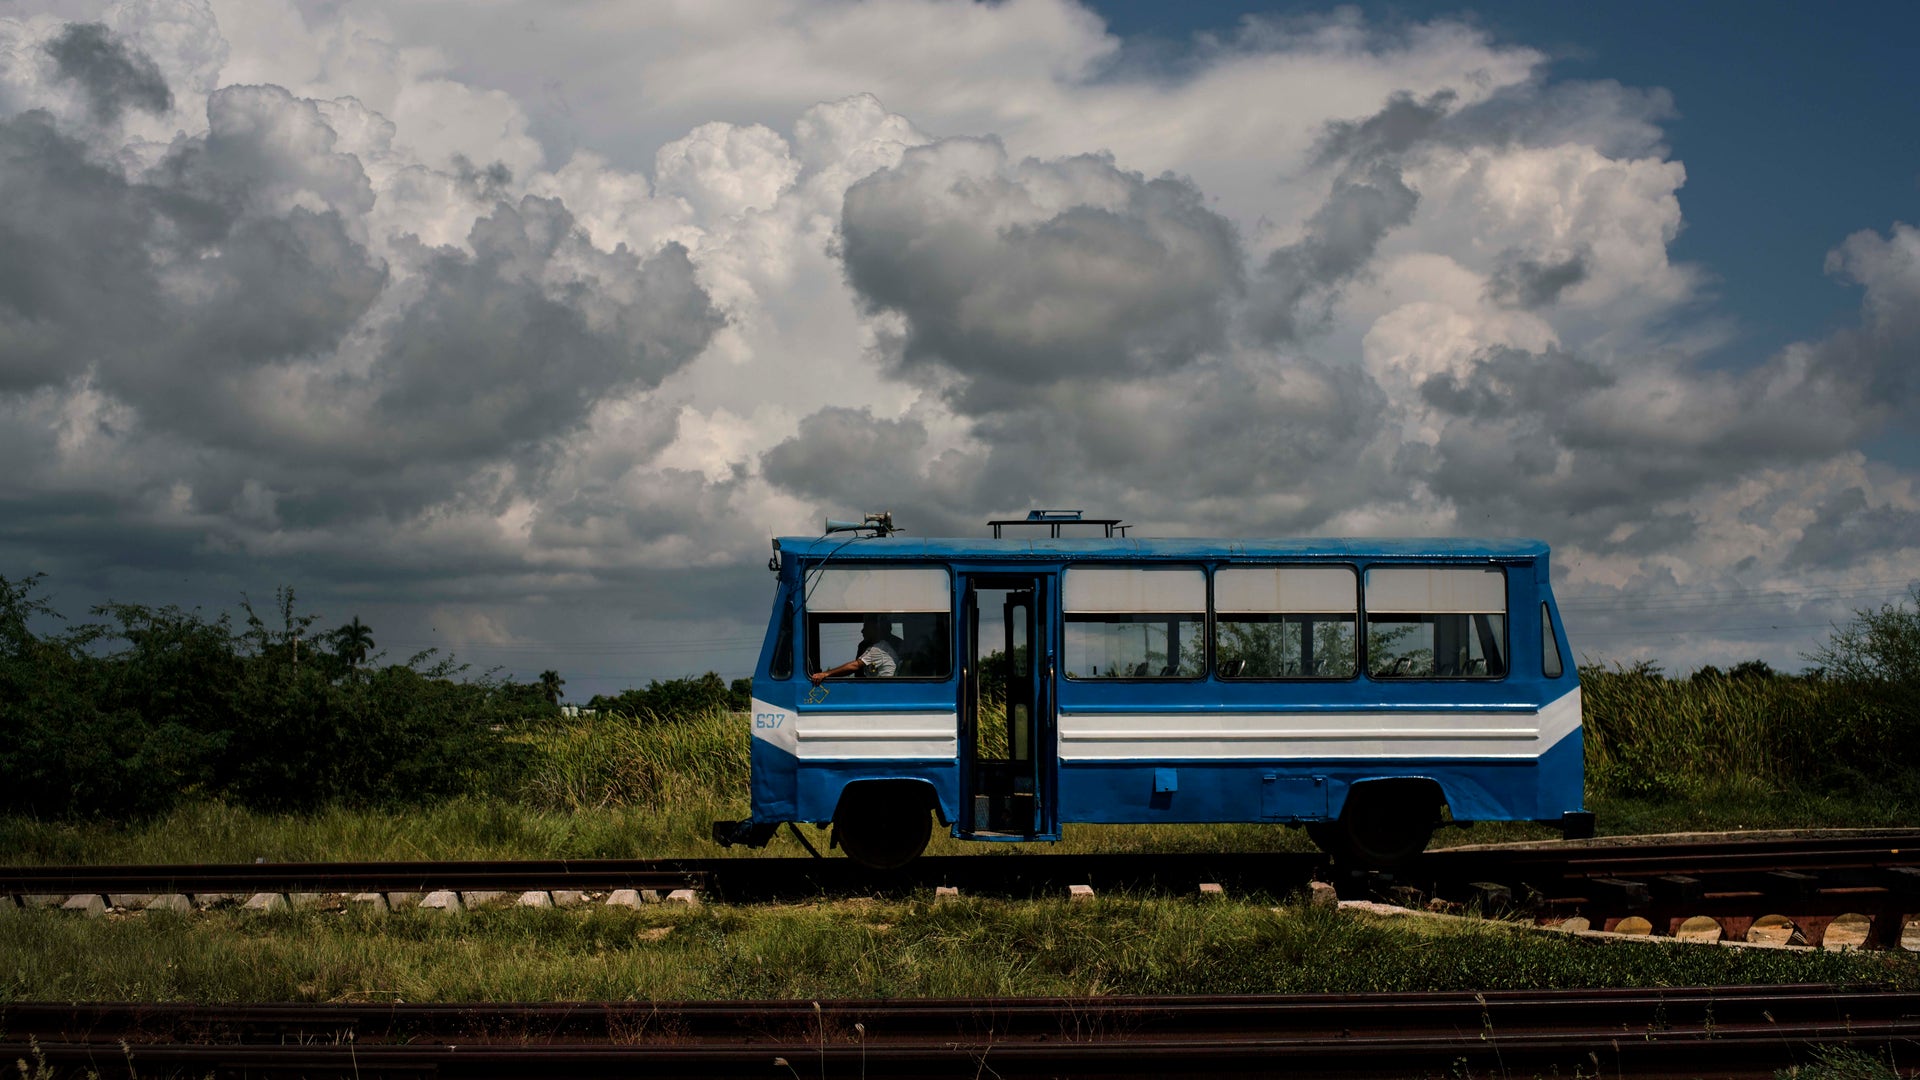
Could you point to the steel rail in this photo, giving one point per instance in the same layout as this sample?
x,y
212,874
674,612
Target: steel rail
x,y
417,876
745,879
1696,1031
1563,870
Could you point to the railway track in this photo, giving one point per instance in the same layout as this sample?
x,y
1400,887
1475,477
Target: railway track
x,y
1692,1032
1870,877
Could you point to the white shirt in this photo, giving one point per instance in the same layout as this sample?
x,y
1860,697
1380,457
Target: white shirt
x,y
880,659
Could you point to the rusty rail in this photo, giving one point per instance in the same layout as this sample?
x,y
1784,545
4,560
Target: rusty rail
x,y
1697,1031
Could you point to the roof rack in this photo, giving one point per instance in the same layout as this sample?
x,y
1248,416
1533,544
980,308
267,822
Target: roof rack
x,y
1053,519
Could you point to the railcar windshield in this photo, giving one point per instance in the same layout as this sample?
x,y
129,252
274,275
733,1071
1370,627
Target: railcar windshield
x,y
910,608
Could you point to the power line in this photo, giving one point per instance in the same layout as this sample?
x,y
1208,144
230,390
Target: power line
x,y
1672,601
1661,632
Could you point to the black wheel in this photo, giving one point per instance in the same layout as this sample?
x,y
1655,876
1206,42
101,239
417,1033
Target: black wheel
x,y
884,831
1378,830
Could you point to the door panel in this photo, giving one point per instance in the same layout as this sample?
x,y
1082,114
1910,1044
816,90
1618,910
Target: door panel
x,y
1006,709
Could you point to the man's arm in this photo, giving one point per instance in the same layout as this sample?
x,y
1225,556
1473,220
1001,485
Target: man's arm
x,y
848,668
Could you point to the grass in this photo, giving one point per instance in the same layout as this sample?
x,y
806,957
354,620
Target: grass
x,y
627,787
1115,945
619,787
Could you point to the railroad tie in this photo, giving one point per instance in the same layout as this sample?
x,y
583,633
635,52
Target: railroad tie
x,y
92,905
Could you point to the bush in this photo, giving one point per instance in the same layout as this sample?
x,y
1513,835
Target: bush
x,y
123,717
689,696
1876,646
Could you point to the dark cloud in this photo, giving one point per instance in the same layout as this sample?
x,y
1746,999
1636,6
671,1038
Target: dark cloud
x,y
849,462
1392,131
1252,443
1533,283
163,290
848,454
1050,271
1526,435
223,305
497,348
114,76
1880,351
1504,383
1293,291
75,272
264,149
1845,530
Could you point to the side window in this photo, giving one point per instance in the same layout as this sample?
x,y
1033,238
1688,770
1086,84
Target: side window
x,y
781,667
1285,622
899,621
1443,622
1550,664
1134,624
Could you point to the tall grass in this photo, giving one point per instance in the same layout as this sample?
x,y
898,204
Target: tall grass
x,y
1654,737
648,762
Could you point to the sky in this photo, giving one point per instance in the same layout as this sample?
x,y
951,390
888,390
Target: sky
x,y
516,328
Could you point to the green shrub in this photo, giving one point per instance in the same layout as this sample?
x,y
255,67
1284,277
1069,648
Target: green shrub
x,y
693,695
124,717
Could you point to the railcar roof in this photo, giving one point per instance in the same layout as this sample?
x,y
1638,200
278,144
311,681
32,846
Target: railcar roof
x,y
842,548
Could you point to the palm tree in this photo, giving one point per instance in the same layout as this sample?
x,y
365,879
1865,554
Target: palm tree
x,y
550,684
353,642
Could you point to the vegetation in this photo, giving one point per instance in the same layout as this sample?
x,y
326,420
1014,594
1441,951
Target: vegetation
x,y
125,716
159,716
147,709
1844,729
166,736
859,949
677,698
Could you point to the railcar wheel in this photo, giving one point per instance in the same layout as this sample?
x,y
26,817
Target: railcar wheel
x,y
882,830
1379,829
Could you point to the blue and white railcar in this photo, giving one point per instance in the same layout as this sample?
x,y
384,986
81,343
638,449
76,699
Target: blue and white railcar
x,y
1354,686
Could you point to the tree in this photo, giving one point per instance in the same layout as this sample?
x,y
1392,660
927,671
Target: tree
x,y
1880,645
550,684
352,643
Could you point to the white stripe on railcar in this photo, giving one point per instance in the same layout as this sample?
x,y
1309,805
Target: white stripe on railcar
x,y
876,736
1306,735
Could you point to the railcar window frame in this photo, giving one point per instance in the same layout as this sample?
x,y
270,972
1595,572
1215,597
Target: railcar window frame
x,y
1217,617
939,620
1425,618
1199,620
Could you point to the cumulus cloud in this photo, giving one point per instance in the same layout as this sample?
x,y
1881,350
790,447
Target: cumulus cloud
x,y
232,338
514,324
1015,274
114,77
